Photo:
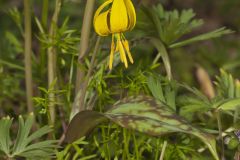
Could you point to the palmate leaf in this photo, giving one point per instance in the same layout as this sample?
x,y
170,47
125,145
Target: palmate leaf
x,y
228,90
23,145
5,124
141,113
163,90
155,86
170,26
226,85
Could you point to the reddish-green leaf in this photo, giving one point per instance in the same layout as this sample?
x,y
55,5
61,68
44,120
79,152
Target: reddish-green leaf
x,y
82,123
143,114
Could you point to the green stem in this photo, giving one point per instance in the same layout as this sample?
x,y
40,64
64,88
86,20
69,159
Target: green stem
x,y
70,81
126,144
27,52
52,60
220,133
44,19
79,99
106,147
157,149
135,146
236,114
45,13
85,34
163,150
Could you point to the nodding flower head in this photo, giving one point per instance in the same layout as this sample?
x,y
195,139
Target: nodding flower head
x,y
118,18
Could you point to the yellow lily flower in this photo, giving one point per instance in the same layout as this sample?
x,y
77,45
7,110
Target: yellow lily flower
x,y
118,18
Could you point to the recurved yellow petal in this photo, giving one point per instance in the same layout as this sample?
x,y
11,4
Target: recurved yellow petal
x,y
101,25
99,10
100,20
131,14
118,17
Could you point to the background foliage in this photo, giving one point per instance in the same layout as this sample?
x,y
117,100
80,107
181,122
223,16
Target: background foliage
x,y
186,69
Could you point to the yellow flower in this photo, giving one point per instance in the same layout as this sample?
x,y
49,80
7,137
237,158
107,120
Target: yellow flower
x,y
118,18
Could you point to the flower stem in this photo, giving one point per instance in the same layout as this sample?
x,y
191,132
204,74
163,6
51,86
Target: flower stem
x,y
27,52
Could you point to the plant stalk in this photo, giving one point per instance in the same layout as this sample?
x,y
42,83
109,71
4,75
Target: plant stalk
x,y
78,104
52,60
126,153
163,150
220,133
43,55
135,146
157,149
27,53
45,13
85,34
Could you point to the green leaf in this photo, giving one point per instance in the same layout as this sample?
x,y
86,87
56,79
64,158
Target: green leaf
x,y
163,52
14,41
164,93
155,87
23,132
40,27
229,104
85,121
205,36
170,94
39,133
24,146
227,86
5,124
197,93
88,157
170,25
147,115
143,114
12,65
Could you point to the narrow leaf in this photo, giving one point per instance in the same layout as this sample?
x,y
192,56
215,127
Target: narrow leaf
x,y
213,34
162,50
